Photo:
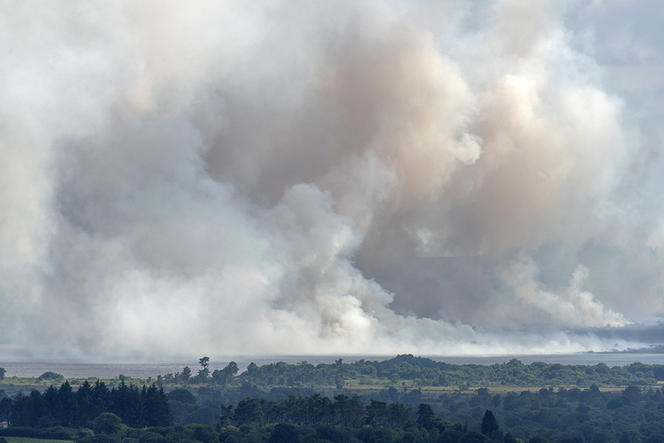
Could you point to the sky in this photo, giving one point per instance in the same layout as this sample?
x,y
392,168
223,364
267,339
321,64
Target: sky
x,y
314,177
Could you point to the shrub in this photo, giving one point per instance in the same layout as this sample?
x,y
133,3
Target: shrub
x,y
51,376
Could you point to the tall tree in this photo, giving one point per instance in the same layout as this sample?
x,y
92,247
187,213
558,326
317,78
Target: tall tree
x,y
67,403
204,372
155,407
425,416
84,401
489,423
100,399
204,362
186,374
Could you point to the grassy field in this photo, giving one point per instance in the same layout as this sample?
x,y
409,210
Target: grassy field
x,y
28,384
33,440
12,385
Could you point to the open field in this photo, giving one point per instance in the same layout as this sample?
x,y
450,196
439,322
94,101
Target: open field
x,y
34,440
15,384
472,390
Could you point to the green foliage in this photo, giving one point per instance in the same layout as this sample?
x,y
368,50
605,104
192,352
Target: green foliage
x,y
107,423
425,415
278,402
418,371
64,407
204,362
563,415
181,395
51,376
489,424
570,415
204,372
33,440
186,374
226,375
2,375
43,435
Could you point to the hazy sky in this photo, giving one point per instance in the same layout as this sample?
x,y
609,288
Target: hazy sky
x,y
298,177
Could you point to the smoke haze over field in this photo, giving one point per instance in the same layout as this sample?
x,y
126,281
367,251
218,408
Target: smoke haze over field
x,y
347,177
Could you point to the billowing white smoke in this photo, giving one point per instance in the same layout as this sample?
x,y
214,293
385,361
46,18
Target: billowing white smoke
x,y
180,178
573,307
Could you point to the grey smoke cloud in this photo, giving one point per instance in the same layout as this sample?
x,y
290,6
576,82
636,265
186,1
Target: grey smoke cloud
x,y
285,177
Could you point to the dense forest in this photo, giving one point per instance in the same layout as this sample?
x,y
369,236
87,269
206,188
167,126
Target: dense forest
x,y
403,370
143,415
627,415
420,371
575,415
147,406
303,402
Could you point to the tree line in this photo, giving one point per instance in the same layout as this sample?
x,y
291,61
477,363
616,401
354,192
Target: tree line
x,y
414,370
219,376
634,414
419,371
297,419
563,415
138,407
376,425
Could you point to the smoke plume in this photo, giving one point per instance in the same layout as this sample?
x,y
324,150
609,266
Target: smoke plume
x,y
231,177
